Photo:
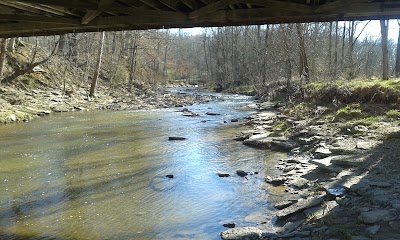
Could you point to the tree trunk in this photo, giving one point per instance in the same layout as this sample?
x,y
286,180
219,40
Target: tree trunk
x,y
397,67
385,55
98,65
336,49
303,70
2,57
133,58
11,45
330,49
343,44
61,45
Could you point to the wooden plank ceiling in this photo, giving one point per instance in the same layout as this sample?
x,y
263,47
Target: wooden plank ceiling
x,y
50,17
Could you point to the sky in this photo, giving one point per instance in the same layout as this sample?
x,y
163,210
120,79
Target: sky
x,y
373,28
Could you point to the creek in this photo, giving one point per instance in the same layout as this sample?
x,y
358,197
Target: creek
x,y
102,175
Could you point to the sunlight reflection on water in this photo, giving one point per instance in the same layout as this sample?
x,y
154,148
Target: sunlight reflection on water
x,y
101,175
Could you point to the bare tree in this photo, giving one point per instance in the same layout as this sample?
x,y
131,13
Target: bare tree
x,y
98,65
303,63
385,55
397,66
3,46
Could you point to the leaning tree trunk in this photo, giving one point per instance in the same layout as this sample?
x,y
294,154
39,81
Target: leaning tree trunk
x,y
385,55
98,65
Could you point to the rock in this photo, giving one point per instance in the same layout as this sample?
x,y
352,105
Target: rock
x,y
359,129
300,205
190,114
212,114
81,108
326,164
263,141
245,233
380,184
373,229
395,204
299,183
367,145
374,216
241,173
333,193
235,120
322,152
348,161
169,176
13,117
284,204
275,181
359,238
176,138
322,210
223,174
229,225
290,227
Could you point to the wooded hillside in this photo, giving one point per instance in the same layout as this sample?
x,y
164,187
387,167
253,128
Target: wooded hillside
x,y
244,58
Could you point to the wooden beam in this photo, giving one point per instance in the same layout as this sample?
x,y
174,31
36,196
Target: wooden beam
x,y
62,3
212,7
265,3
91,14
30,7
38,19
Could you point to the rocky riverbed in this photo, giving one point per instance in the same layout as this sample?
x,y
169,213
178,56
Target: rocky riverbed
x,y
340,180
18,105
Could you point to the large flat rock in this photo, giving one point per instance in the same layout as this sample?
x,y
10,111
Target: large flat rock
x,y
299,206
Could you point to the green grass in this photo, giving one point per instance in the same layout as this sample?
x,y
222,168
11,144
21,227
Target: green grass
x,y
355,91
349,112
393,114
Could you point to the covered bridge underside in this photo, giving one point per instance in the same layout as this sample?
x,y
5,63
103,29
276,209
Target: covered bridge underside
x,y
51,17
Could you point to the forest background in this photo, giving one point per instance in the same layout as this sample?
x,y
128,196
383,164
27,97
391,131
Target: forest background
x,y
248,59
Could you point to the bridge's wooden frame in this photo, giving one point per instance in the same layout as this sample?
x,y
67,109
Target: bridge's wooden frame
x,y
52,17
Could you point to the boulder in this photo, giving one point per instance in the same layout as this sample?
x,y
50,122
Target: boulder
x,y
245,233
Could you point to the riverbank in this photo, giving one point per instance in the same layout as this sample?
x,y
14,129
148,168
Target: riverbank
x,y
341,177
17,105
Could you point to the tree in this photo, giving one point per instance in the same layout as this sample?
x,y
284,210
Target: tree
x,y
303,63
397,67
385,54
98,65
3,46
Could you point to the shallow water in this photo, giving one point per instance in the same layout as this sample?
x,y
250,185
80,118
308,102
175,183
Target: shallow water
x,y
101,175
